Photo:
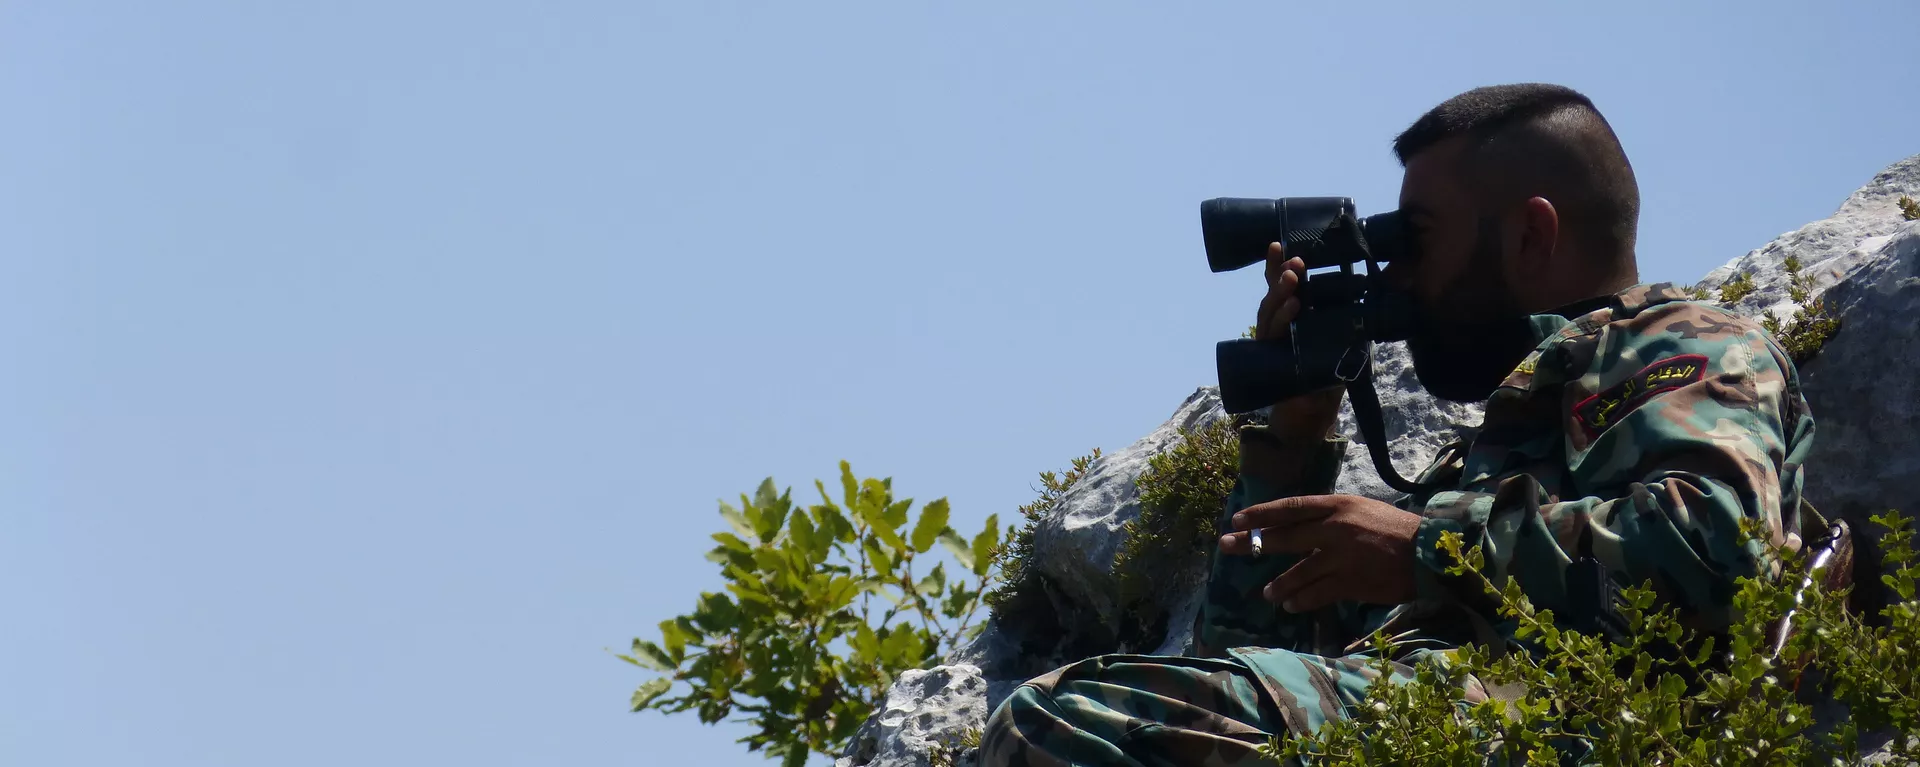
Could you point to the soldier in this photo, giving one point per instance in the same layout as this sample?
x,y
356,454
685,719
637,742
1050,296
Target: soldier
x,y
1627,434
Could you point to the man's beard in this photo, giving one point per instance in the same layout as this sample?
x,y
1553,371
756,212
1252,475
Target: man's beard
x,y
1463,359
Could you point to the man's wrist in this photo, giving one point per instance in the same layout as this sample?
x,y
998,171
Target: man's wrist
x,y
1276,465
1430,562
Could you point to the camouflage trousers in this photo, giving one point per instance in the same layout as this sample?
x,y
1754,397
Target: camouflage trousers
x,y
1155,711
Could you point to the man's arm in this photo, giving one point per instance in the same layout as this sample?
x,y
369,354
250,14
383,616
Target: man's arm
x,y
1296,453
1234,612
1686,423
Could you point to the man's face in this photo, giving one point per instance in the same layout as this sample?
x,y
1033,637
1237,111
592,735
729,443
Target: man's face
x,y
1459,272
1471,329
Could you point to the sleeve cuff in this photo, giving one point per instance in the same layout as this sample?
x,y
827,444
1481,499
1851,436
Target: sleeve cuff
x,y
1270,468
1430,562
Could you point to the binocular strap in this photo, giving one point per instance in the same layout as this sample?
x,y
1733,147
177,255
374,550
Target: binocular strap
x,y
1373,427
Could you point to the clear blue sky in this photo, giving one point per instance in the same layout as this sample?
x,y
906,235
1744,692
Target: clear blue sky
x,y
369,368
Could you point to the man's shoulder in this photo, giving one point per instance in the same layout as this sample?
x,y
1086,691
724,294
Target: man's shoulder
x,y
1647,322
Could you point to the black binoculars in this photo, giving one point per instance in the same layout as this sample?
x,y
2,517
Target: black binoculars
x,y
1340,312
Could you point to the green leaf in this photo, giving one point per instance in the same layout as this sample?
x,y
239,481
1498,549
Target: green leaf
x,y
766,495
865,642
648,692
958,600
802,529
773,511
769,560
983,545
933,522
903,647
675,638
716,614
876,519
732,541
735,520
957,546
896,513
876,556
796,757
935,582
650,655
849,486
841,592
830,520
1672,686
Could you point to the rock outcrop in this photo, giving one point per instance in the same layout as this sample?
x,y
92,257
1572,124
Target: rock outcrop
x,y
1864,386
938,711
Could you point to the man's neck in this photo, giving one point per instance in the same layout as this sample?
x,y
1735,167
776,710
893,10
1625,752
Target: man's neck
x,y
1575,294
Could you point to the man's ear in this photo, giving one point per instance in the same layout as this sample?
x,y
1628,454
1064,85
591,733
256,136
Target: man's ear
x,y
1539,237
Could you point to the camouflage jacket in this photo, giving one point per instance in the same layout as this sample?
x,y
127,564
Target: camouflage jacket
x,y
1639,435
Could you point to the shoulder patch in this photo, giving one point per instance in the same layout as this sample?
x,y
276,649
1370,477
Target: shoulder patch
x,y
1522,375
1597,413
1528,365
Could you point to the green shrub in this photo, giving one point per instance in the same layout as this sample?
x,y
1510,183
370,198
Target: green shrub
x,y
1740,286
1637,701
1019,585
948,754
1813,323
1181,495
823,609
1909,209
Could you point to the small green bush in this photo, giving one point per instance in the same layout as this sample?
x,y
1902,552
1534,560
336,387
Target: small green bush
x,y
1019,584
824,608
1637,701
1740,286
1181,495
1813,323
1909,209
948,754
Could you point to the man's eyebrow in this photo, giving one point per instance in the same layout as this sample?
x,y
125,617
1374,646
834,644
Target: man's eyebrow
x,y
1414,210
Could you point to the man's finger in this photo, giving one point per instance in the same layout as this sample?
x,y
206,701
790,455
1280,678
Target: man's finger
x,y
1286,512
1276,261
1263,322
1299,539
1276,316
1316,595
1305,573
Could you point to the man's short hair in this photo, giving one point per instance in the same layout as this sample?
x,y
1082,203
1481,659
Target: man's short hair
x,y
1535,139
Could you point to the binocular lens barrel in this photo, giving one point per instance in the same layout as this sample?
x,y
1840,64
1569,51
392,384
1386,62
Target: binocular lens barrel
x,y
1237,231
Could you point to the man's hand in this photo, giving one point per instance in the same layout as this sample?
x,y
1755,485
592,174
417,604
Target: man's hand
x,y
1358,549
1311,416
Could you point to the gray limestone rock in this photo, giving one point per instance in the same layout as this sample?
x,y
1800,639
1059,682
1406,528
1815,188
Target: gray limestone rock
x,y
928,720
1074,545
1829,250
1865,384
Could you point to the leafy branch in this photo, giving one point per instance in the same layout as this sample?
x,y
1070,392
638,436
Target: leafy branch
x,y
1659,694
823,610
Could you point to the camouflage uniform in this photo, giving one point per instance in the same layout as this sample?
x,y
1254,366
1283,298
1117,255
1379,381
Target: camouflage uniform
x,y
1637,436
